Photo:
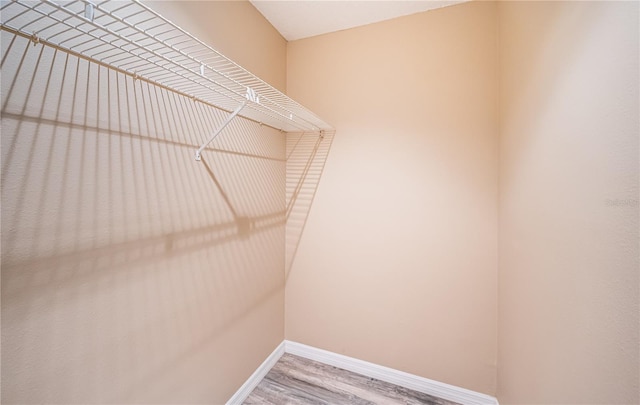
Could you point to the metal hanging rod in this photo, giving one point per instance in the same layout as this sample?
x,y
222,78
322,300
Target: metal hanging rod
x,y
36,41
132,38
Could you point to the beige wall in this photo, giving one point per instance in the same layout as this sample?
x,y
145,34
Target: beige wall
x,y
130,272
568,317
397,264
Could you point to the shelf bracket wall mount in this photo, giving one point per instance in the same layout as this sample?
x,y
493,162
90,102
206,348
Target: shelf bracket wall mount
x,y
250,96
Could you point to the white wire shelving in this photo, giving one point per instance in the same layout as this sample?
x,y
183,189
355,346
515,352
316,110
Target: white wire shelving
x,y
132,38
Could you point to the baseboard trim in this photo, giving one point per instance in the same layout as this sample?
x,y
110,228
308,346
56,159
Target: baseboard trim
x,y
255,378
414,382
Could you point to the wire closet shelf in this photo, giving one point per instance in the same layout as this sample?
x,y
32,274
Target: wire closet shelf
x,y
130,37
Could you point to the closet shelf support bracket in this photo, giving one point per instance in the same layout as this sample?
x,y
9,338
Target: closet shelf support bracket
x,y
251,96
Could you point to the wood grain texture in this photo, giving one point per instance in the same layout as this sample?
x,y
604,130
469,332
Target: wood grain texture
x,y
298,381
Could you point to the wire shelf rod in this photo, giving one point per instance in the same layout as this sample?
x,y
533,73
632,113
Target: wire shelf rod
x,y
134,38
232,93
124,72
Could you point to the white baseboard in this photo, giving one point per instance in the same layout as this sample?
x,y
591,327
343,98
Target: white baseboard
x,y
414,382
244,391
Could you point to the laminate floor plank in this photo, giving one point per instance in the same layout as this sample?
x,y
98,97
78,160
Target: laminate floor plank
x,y
298,381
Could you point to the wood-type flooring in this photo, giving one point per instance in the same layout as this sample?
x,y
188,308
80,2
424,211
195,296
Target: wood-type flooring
x,y
298,381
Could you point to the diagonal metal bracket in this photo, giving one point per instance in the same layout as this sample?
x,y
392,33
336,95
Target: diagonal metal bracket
x,y
251,96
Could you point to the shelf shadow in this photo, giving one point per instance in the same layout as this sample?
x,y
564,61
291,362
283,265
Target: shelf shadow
x,y
123,259
307,155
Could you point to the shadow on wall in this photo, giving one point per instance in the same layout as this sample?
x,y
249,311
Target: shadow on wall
x,y
130,272
306,156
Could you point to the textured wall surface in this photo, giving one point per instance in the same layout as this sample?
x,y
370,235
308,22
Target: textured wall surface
x,y
397,264
130,272
569,267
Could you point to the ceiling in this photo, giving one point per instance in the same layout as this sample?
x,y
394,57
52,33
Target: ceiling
x,y
306,18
